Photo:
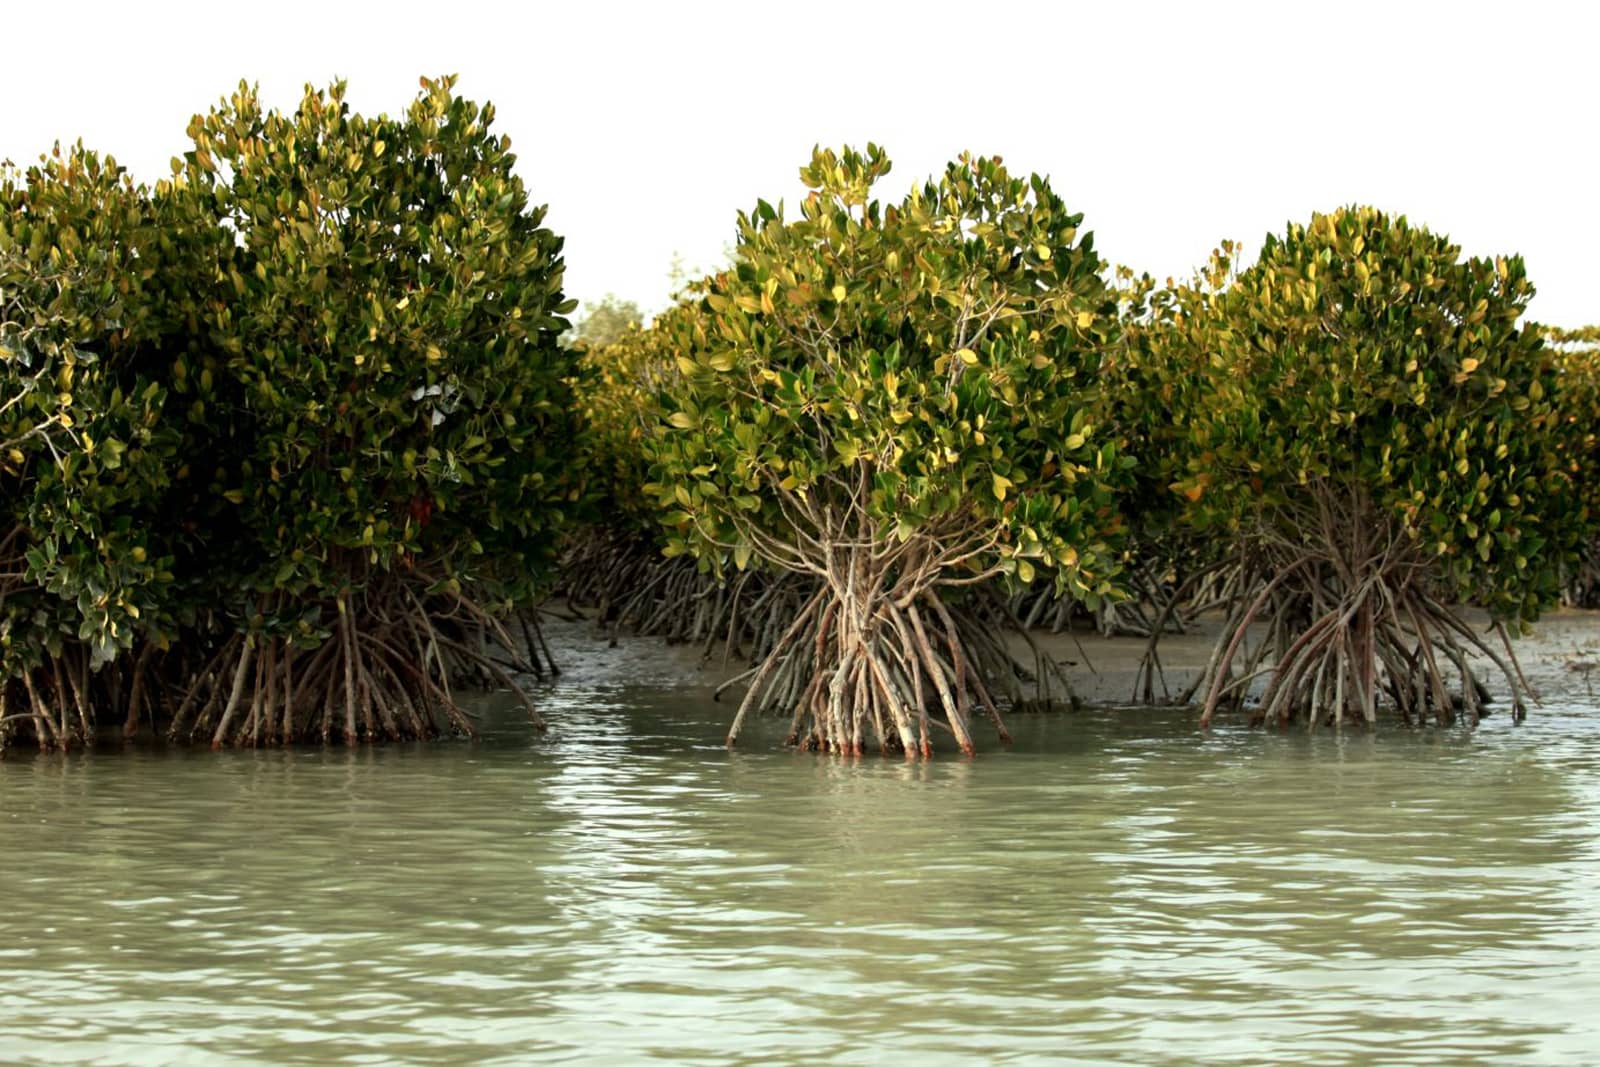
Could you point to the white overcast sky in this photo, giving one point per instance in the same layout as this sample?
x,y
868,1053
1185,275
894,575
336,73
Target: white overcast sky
x,y
647,126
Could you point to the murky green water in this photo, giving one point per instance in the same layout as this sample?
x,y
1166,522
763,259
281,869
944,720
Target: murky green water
x,y
1113,887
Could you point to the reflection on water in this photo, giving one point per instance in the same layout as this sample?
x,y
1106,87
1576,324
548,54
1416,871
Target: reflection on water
x,y
1114,886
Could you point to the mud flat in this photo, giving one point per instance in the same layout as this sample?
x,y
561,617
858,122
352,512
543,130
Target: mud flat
x,y
1561,659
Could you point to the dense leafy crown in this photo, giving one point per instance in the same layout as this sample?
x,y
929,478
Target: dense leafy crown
x,y
930,367
1364,352
1576,352
390,386
624,380
1165,346
84,451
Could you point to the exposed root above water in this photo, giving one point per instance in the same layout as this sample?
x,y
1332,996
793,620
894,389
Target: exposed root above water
x,y
1582,586
53,703
630,586
1150,605
888,669
1330,627
387,668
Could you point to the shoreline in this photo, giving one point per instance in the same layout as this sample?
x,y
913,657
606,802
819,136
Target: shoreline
x,y
1561,658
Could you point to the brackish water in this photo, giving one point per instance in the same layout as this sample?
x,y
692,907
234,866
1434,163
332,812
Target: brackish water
x,y
1114,886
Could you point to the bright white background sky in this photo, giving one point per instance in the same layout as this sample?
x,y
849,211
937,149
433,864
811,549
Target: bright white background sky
x,y
647,126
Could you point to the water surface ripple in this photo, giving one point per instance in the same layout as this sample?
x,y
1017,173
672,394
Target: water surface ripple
x,y
1114,886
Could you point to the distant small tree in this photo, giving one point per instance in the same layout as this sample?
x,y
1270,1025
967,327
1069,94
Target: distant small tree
x,y
1577,356
606,321
898,401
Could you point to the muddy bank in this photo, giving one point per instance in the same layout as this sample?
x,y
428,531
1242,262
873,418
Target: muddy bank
x,y
1561,659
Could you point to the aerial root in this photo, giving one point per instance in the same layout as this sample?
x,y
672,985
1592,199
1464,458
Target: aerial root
x,y
624,580
1331,627
884,676
386,671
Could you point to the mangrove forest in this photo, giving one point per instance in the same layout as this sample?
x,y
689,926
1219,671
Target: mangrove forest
x,y
300,442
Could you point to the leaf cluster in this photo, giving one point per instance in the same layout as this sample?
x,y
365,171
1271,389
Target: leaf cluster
x,y
86,449
326,348
931,365
386,381
1360,350
1576,355
622,388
